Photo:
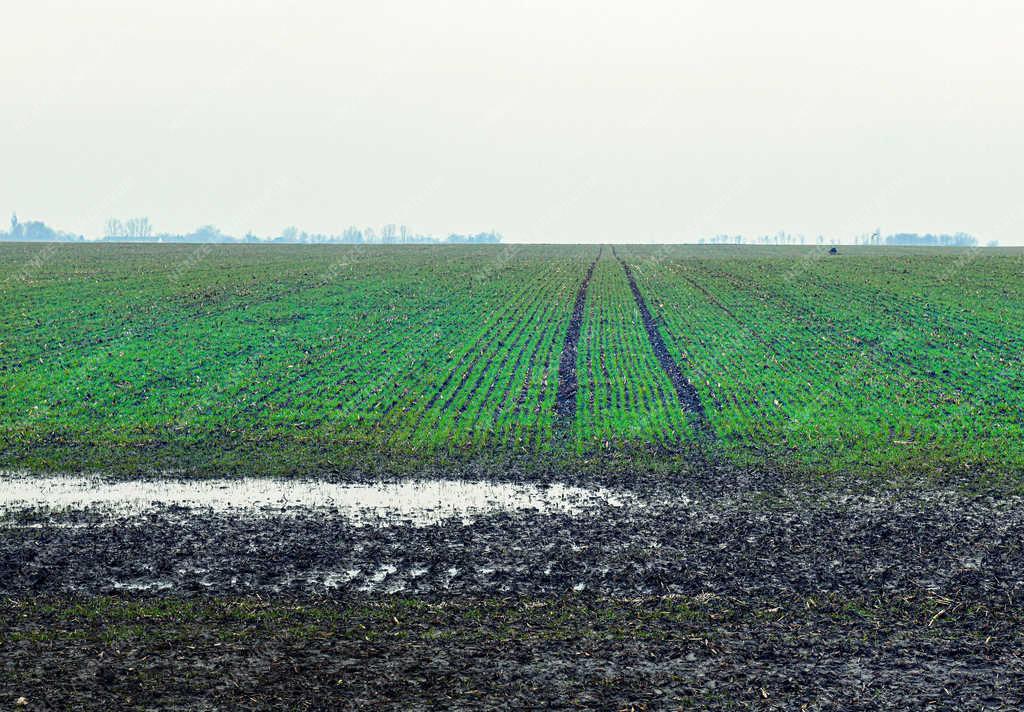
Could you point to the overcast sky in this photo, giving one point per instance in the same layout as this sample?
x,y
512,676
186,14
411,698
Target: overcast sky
x,y
568,121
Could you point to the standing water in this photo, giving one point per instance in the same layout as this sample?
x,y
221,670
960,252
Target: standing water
x,y
417,501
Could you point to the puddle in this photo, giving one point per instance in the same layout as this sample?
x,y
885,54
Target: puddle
x,y
159,585
419,502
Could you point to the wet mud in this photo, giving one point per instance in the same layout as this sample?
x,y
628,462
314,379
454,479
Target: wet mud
x,y
566,653
644,542
568,382
754,595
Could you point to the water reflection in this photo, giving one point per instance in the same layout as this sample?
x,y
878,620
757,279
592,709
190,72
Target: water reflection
x,y
420,501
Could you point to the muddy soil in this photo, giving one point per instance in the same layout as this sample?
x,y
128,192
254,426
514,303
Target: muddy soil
x,y
836,598
568,383
652,542
567,652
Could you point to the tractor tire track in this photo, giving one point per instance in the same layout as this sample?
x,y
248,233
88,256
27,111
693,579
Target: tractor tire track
x,y
689,399
568,383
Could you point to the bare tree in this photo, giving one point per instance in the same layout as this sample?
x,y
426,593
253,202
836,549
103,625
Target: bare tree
x,y
113,228
138,227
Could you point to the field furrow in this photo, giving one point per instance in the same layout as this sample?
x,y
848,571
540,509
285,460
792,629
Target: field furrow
x,y
624,396
832,361
193,356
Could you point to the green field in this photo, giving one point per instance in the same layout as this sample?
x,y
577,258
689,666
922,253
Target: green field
x,y
305,359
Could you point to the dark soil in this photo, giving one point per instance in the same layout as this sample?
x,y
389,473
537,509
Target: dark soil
x,y
689,399
565,399
565,652
755,594
664,541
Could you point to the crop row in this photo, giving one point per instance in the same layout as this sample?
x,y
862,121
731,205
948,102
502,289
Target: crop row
x,y
624,395
846,358
869,356
356,346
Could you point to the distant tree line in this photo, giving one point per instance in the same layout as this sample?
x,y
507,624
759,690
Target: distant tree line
x,y
386,235
141,230
779,238
130,228
35,231
959,239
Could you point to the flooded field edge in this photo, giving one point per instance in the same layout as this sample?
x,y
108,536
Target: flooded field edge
x,y
419,500
736,590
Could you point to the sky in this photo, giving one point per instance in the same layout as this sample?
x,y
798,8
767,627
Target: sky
x,y
575,121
